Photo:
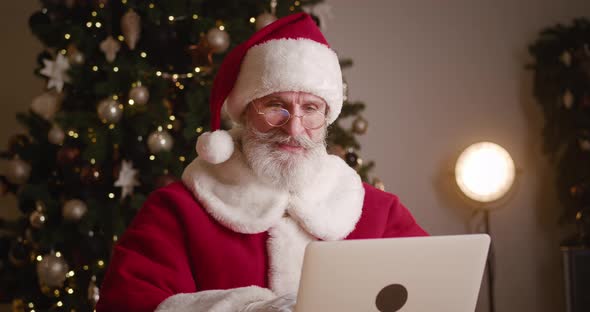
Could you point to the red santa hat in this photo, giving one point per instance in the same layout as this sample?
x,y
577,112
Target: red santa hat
x,y
291,54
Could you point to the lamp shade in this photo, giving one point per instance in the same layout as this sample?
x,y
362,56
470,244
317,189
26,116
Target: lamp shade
x,y
484,172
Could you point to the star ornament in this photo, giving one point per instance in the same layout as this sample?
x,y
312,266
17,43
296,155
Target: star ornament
x,y
56,71
110,47
127,179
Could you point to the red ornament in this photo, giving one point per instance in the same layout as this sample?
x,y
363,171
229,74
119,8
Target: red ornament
x,y
90,175
201,54
164,180
67,155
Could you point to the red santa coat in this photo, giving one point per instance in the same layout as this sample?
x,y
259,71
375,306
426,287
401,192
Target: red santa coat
x,y
222,238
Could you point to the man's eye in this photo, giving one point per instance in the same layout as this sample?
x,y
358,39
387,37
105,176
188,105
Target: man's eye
x,y
273,105
310,108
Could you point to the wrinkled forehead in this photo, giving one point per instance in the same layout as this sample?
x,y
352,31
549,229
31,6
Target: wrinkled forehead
x,y
293,96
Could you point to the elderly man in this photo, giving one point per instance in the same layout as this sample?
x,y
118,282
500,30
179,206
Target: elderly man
x,y
231,236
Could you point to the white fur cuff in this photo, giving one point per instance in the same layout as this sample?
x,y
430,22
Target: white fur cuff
x,y
229,300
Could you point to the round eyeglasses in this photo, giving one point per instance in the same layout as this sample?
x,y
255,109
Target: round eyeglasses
x,y
278,116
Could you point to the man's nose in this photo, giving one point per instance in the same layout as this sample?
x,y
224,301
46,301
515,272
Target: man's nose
x,y
294,127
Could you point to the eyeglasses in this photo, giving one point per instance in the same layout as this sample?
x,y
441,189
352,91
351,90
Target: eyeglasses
x,y
278,116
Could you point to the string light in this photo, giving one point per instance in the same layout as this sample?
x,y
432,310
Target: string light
x,y
94,13
63,51
93,161
175,76
171,18
59,304
199,129
158,73
98,24
56,292
121,38
31,305
195,16
160,128
89,24
67,36
101,5
124,1
197,69
111,195
143,54
70,291
100,263
169,126
70,274
151,5
181,158
112,126
189,75
152,157
94,68
252,20
58,254
115,97
291,8
131,102
221,27
172,117
115,69
297,3
85,268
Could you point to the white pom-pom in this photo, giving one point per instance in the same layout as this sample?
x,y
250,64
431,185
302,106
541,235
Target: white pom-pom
x,y
215,147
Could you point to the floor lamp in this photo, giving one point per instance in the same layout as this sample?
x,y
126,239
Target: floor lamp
x,y
484,173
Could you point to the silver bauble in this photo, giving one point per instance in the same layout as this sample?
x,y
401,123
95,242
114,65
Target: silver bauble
x,y
46,104
139,94
360,125
377,183
159,141
74,210
109,111
56,135
18,171
51,271
93,291
218,40
264,19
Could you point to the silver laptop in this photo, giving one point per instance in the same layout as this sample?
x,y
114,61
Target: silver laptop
x,y
421,274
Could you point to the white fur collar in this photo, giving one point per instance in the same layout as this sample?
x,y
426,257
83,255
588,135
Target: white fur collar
x,y
328,207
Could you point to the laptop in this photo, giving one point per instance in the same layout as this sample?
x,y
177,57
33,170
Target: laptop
x,y
418,274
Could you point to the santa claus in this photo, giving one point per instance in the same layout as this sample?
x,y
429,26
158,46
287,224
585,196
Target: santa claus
x,y
231,235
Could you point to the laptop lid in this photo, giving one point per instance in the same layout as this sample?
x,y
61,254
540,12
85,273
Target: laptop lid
x,y
437,273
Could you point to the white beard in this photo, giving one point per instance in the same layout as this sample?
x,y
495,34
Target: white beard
x,y
287,170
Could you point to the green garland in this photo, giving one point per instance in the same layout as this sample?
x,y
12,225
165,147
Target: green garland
x,y
562,89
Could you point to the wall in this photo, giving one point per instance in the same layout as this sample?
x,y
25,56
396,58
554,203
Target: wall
x,y
437,76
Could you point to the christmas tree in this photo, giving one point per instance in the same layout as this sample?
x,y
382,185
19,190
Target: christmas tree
x,y
562,89
127,93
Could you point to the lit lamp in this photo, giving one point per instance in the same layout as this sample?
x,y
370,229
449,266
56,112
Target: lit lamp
x,y
485,173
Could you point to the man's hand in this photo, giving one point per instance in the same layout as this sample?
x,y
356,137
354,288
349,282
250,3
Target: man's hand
x,y
284,303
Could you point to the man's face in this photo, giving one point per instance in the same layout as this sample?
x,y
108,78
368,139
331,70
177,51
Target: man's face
x,y
298,104
287,155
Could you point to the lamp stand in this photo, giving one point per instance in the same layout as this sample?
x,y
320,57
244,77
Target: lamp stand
x,y
490,263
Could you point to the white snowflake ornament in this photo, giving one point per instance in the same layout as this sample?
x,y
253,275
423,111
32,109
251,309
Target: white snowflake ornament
x,y
127,179
57,72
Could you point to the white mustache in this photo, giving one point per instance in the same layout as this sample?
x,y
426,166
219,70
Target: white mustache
x,y
278,137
